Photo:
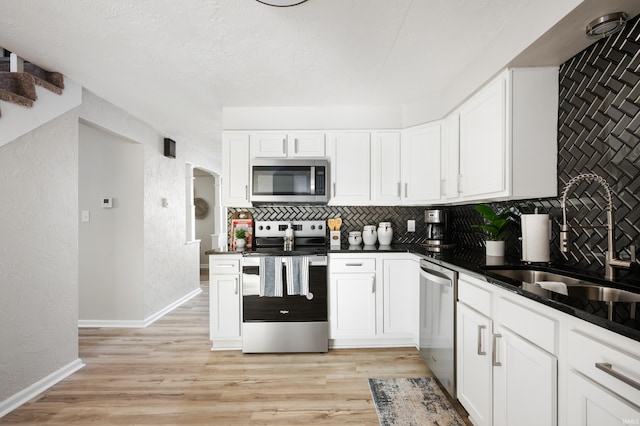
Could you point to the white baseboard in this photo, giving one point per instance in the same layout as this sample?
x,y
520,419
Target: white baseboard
x,y
227,344
38,387
153,318
138,323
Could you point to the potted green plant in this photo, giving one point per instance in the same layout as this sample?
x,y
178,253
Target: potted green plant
x,y
241,235
496,227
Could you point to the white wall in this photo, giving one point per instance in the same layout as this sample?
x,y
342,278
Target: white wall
x,y
38,254
111,244
171,267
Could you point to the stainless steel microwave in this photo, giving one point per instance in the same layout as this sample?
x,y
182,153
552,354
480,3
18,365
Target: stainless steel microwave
x,y
289,181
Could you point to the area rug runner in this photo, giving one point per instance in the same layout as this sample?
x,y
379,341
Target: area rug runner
x,y
418,402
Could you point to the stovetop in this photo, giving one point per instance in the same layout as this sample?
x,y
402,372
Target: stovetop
x,y
309,238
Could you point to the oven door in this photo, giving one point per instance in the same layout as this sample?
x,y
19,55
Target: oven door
x,y
289,308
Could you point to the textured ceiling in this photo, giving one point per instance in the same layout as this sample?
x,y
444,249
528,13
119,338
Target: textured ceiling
x,y
176,64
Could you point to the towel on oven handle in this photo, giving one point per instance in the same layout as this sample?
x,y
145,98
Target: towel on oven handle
x,y
297,269
271,276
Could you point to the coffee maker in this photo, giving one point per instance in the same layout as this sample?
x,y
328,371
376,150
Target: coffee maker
x,y
437,230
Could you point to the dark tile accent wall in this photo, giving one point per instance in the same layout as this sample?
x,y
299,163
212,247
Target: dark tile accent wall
x,y
599,132
354,218
599,123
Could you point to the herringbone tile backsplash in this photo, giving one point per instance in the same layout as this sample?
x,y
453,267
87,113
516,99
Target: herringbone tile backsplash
x,y
599,124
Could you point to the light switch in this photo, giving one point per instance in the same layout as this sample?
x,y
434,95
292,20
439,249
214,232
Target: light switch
x,y
85,216
411,225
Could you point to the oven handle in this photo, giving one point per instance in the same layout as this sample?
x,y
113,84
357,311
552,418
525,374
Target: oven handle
x,y
436,278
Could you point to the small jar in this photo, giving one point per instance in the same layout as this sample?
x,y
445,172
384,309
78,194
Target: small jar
x,y
369,235
355,238
385,233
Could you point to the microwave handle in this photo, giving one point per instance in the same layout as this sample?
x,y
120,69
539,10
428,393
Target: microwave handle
x,y
312,181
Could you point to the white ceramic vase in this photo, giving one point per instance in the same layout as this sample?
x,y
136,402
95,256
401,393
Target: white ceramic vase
x,y
495,248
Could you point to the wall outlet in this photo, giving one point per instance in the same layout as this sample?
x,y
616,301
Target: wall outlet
x,y
411,225
85,216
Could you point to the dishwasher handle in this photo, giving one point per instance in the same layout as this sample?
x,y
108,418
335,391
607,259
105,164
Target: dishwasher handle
x,y
437,278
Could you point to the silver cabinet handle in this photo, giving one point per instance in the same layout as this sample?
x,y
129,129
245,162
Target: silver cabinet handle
x,y
226,266
334,189
246,192
236,285
459,184
399,189
494,354
608,368
295,146
373,283
406,190
480,328
443,184
353,264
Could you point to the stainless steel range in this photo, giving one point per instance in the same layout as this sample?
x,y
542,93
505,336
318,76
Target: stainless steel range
x,y
284,292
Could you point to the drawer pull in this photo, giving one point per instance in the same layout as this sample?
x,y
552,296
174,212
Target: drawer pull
x,y
608,368
494,360
480,351
354,264
225,266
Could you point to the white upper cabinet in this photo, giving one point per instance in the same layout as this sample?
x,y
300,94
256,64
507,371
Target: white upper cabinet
x,y
350,158
405,166
287,144
508,137
386,168
451,157
235,169
421,164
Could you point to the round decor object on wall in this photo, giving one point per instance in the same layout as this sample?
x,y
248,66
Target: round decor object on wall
x,y
202,208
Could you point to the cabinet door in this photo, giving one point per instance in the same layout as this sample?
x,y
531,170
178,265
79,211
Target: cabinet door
x,y
474,375
483,141
451,157
224,298
306,144
235,170
589,404
399,296
525,381
352,305
385,168
421,164
268,144
350,168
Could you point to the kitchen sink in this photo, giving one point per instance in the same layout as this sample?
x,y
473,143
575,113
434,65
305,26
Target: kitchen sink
x,y
545,283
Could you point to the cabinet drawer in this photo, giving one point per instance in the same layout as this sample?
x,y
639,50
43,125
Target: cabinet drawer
x,y
352,265
224,266
474,296
617,369
533,326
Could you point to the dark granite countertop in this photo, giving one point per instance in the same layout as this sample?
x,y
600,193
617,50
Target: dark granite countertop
x,y
474,262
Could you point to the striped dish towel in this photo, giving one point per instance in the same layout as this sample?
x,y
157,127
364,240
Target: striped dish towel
x,y
297,270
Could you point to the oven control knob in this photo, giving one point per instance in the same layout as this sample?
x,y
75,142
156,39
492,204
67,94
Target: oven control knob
x,y
319,226
268,227
260,227
313,227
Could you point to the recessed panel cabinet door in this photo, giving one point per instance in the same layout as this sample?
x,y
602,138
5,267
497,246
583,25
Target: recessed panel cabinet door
x,y
474,375
224,304
350,168
352,305
385,169
483,138
525,382
421,182
235,169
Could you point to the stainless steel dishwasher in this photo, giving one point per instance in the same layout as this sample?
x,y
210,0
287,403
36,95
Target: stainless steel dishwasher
x,y
437,341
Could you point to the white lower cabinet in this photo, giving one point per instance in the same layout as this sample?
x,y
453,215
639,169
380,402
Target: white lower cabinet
x,y
603,386
474,381
525,382
373,300
505,376
225,301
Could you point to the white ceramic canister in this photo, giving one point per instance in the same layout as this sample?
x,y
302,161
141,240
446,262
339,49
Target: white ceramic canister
x,y
355,238
385,233
369,235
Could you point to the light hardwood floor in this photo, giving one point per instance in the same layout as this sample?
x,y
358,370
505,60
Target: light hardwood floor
x,y
166,374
